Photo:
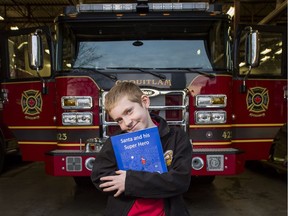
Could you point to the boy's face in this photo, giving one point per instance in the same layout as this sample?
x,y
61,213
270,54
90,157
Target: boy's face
x,y
131,116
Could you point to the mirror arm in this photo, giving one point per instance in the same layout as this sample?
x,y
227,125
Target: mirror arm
x,y
43,81
243,88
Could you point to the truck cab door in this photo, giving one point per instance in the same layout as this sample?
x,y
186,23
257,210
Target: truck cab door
x,y
28,110
261,109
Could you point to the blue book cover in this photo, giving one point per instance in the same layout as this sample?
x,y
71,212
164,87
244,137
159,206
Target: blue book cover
x,y
140,150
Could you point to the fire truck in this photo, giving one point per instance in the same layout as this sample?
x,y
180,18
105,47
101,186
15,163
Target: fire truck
x,y
229,93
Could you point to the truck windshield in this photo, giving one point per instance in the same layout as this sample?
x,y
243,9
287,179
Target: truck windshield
x,y
203,44
143,54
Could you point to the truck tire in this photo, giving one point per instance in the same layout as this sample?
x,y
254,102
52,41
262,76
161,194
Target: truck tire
x,y
2,156
278,152
279,147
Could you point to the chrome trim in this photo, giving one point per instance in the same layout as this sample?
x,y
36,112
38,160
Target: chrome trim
x,y
157,99
76,98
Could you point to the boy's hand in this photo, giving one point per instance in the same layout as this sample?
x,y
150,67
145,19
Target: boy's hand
x,y
116,182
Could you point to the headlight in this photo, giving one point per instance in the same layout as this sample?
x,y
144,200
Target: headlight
x,y
197,163
89,163
79,118
210,117
76,102
211,101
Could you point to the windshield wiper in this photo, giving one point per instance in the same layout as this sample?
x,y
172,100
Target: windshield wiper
x,y
192,70
112,77
144,70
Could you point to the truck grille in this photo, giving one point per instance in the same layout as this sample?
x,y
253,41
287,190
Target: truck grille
x,y
171,105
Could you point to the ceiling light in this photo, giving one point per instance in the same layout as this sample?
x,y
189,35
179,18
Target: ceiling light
x,y
242,64
278,52
14,28
231,11
1,18
265,58
265,51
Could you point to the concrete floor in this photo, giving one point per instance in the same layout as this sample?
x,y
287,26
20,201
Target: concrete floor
x,y
25,190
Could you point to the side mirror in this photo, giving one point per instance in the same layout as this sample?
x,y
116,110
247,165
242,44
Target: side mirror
x,y
252,48
36,55
35,50
252,53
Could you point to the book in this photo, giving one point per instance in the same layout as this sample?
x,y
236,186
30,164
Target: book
x,y
140,150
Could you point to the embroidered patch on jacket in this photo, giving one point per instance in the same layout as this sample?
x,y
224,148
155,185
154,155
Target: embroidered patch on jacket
x,y
168,156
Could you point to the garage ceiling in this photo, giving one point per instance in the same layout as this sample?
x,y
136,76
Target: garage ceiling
x,y
30,13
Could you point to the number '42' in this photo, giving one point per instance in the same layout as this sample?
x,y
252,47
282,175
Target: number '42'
x,y
227,134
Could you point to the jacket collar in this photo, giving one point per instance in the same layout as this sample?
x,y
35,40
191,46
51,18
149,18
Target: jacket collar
x,y
163,126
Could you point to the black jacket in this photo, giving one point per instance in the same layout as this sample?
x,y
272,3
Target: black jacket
x,y
168,186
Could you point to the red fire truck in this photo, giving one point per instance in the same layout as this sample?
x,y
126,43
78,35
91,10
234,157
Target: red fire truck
x,y
182,55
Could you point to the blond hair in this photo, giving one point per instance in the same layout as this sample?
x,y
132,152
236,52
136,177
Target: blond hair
x,y
120,90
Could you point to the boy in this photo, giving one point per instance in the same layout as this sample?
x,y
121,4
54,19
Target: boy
x,y
138,192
